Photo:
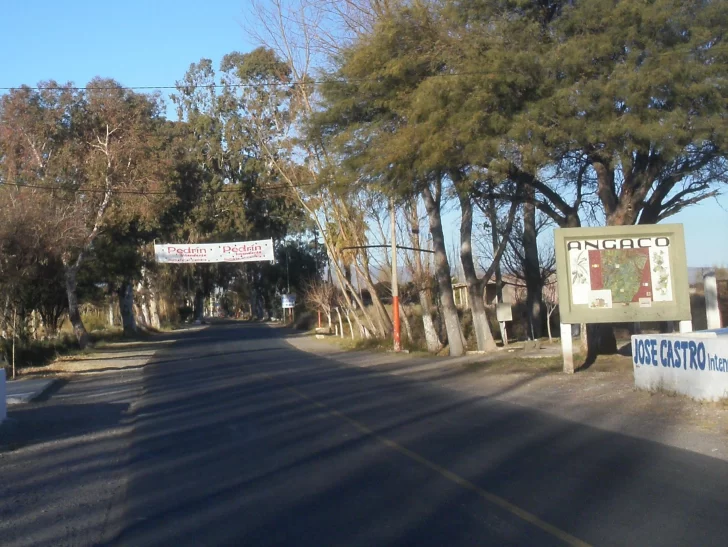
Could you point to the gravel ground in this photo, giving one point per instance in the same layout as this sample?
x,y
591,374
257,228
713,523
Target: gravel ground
x,y
607,400
62,462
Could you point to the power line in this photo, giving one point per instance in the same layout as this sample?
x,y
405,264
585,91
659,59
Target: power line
x,y
143,192
184,87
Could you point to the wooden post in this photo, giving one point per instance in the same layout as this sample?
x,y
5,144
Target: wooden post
x,y
567,348
711,301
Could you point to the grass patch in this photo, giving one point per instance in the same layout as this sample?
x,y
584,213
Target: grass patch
x,y
377,345
512,365
41,353
508,364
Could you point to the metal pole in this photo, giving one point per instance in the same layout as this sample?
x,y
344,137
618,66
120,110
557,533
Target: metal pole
x,y
395,282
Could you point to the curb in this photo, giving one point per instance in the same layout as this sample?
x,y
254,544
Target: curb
x,y
24,398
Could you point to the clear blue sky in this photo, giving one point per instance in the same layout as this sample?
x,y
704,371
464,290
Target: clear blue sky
x,y
153,42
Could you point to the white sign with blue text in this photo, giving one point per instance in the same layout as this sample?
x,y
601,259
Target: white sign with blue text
x,y
694,364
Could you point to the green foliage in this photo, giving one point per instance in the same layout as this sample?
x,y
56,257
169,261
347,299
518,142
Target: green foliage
x,y
625,102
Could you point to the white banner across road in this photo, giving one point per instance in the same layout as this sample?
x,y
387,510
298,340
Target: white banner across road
x,y
243,251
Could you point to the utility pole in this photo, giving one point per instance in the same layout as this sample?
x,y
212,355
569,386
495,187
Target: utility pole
x,y
395,283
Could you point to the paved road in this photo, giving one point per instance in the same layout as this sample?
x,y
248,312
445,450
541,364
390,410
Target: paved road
x,y
238,439
64,462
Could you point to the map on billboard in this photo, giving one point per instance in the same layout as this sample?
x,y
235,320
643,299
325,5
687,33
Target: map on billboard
x,y
608,272
620,274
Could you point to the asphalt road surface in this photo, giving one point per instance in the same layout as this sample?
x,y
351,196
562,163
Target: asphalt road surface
x,y
236,438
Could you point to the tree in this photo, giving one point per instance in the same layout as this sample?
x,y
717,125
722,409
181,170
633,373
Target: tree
x,y
322,297
421,276
375,140
551,301
640,93
83,147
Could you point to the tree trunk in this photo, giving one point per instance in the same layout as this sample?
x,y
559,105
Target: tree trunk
x,y
348,320
495,242
154,308
405,321
348,291
152,300
431,339
199,308
384,322
532,267
145,314
548,327
442,271
483,334
600,341
74,314
126,308
111,314
341,323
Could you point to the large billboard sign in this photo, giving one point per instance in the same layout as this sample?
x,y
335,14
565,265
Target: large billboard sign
x,y
244,251
622,274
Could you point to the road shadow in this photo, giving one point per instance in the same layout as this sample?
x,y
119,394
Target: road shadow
x,y
36,424
238,439
263,444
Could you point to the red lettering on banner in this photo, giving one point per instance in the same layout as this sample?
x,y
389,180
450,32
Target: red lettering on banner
x,y
251,250
186,251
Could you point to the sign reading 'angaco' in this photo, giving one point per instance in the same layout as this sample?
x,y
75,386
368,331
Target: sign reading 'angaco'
x,y
622,273
243,251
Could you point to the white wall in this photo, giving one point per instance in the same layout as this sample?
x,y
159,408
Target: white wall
x,y
694,364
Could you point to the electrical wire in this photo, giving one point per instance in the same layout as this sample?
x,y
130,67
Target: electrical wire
x,y
185,87
145,193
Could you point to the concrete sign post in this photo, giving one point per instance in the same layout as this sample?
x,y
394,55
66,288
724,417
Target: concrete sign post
x,y
567,348
711,301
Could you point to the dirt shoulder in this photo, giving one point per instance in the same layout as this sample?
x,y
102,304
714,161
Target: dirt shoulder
x,y
602,396
109,356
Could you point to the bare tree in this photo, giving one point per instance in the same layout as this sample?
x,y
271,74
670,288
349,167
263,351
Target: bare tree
x,y
290,30
551,301
322,296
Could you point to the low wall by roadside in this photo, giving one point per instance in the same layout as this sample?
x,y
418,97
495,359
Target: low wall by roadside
x,y
3,402
693,364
